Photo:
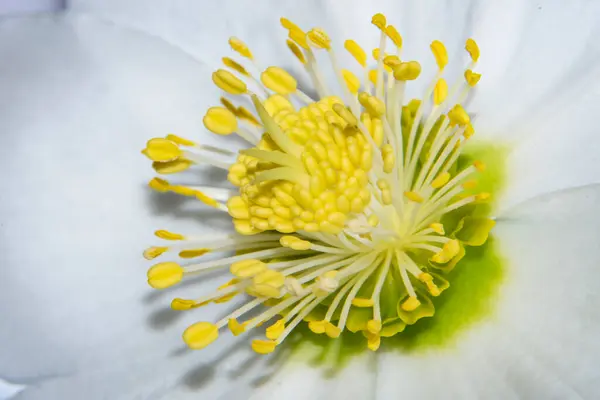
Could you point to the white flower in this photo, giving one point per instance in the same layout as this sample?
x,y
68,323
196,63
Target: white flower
x,y
81,95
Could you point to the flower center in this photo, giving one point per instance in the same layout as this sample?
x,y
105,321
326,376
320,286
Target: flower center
x,y
348,209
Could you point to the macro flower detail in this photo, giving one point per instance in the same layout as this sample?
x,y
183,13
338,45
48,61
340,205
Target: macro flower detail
x,y
348,210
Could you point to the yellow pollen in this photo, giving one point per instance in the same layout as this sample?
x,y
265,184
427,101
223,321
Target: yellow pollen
x,y
295,243
164,275
295,49
356,51
171,167
437,228
440,92
247,268
153,252
179,140
449,250
379,21
393,34
183,304
220,121
200,335
471,77
441,180
317,327
228,82
482,196
391,61
374,326
374,106
407,71
362,303
411,304
274,331
279,80
234,65
469,131
458,116
414,196
162,150
479,165
331,330
263,346
439,52
166,235
193,253
319,38
473,49
269,277
235,327
240,47
352,82
472,184
345,114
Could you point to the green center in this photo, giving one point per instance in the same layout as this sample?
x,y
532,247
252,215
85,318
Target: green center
x,y
474,285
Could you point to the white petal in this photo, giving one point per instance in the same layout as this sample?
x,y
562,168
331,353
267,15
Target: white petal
x,y
80,99
559,148
535,58
541,341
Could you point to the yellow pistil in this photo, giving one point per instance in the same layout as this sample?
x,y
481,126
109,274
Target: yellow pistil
x,y
339,204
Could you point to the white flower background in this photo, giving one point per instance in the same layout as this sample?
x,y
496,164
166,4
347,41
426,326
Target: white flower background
x,y
83,91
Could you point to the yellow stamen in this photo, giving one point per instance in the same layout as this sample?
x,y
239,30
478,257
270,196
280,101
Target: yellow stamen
x,y
319,38
411,304
449,250
472,78
437,228
235,66
458,116
166,235
200,335
247,268
374,326
295,243
193,253
240,47
439,52
351,80
473,49
393,34
295,49
162,150
228,82
440,91
356,51
263,346
279,80
479,165
362,302
220,121
164,275
469,131
441,180
472,184
183,304
179,140
235,327
153,252
407,71
414,196
274,331
172,167
379,21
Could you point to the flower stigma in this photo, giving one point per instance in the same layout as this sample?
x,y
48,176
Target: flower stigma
x,y
348,210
